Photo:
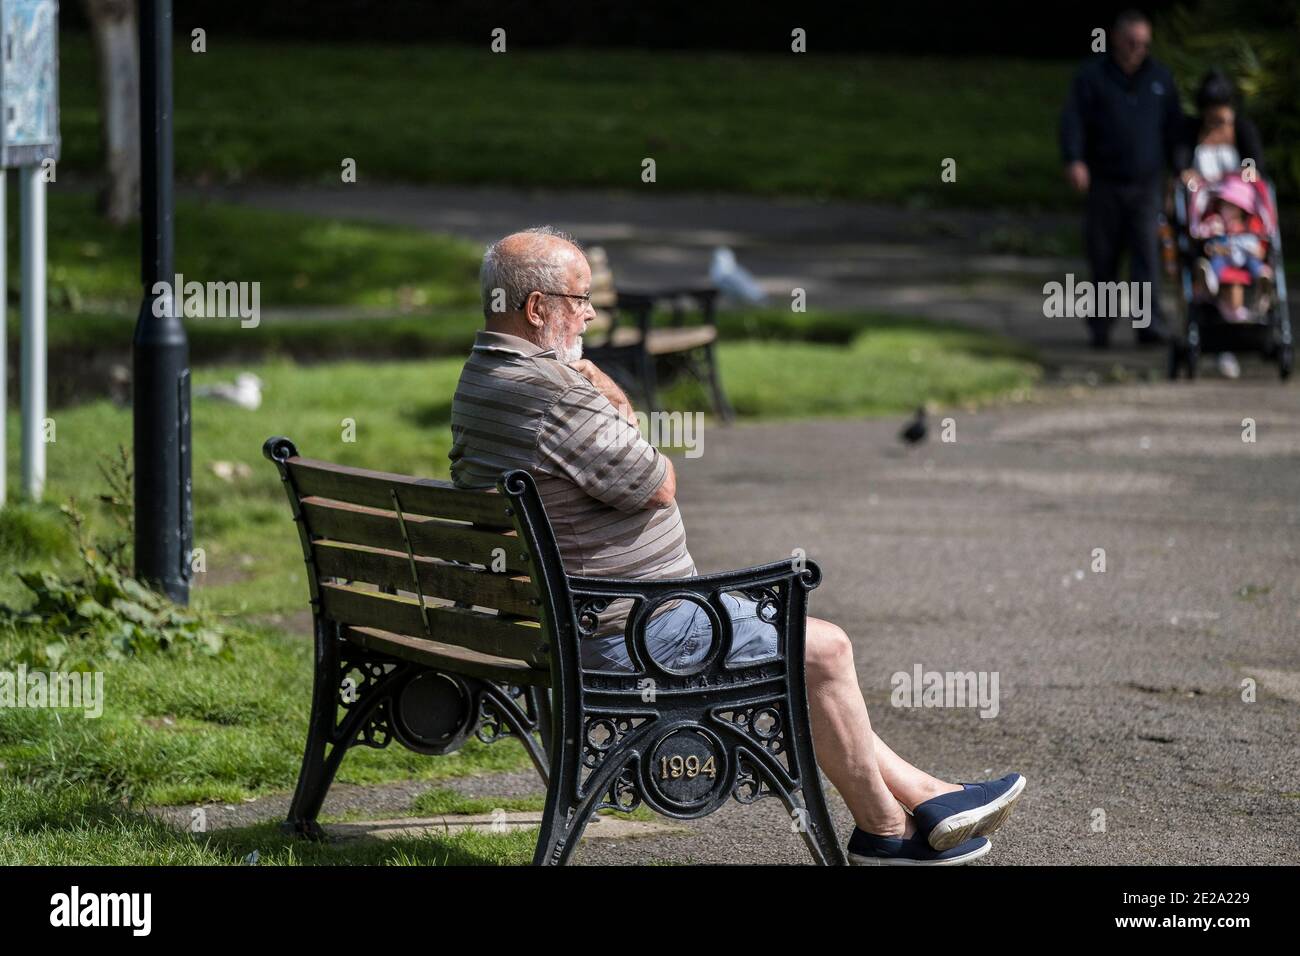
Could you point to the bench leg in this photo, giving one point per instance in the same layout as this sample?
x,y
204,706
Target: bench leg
x,y
702,365
817,830
317,769
799,789
720,404
560,834
649,380
373,717
563,820
368,720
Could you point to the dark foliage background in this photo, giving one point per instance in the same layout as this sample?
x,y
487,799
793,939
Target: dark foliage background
x,y
937,27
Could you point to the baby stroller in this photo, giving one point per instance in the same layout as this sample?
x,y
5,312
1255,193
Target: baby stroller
x,y
1263,324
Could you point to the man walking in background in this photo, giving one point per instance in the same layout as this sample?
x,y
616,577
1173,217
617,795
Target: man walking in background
x,y
1118,131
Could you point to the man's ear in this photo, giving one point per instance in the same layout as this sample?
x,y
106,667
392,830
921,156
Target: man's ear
x,y
532,310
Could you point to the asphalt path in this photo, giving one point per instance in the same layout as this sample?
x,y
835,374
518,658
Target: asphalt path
x,y
1121,693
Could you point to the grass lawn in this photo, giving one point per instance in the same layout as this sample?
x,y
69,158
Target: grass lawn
x,y
184,731
299,260
850,126
85,826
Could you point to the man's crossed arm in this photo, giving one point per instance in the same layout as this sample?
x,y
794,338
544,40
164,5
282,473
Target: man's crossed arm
x,y
667,490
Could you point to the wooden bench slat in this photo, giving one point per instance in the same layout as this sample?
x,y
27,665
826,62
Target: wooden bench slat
x,y
356,524
486,633
448,657
421,496
387,568
665,341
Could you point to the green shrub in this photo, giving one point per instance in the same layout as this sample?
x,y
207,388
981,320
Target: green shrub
x,y
98,611
103,614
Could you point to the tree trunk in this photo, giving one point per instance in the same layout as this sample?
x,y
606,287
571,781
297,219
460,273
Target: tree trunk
x,y
117,49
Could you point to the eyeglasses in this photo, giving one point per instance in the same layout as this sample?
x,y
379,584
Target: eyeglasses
x,y
585,297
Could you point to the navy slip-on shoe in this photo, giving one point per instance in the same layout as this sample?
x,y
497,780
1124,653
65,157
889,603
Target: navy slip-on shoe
x,y
976,809
867,849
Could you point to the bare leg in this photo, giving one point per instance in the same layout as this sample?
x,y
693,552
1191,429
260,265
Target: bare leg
x,y
848,750
909,785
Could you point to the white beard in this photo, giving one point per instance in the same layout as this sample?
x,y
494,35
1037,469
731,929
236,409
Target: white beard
x,y
566,356
569,356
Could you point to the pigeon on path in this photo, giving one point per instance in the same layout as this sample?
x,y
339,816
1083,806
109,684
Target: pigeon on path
x,y
913,432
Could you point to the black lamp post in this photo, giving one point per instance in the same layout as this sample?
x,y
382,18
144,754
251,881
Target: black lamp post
x,y
164,518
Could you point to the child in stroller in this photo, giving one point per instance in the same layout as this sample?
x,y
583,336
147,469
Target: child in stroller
x,y
1230,268
1234,222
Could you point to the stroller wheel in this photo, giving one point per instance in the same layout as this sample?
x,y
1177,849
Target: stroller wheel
x,y
1193,358
1285,361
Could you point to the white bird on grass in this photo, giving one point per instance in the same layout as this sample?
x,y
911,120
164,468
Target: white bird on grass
x,y
246,392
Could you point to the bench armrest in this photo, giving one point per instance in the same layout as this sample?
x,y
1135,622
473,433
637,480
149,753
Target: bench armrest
x,y
808,577
780,587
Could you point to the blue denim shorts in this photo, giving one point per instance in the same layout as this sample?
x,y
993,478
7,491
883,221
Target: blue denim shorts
x,y
682,636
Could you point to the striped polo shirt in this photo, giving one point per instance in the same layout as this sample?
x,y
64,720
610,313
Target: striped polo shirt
x,y
517,406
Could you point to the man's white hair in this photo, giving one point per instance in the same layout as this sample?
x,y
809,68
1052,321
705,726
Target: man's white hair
x,y
541,268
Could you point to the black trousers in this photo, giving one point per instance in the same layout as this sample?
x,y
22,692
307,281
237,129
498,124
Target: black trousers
x,y
1119,218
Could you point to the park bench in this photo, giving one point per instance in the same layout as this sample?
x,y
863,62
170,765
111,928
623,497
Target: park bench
x,y
441,612
624,340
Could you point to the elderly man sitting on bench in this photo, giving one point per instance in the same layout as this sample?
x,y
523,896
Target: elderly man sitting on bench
x,y
527,399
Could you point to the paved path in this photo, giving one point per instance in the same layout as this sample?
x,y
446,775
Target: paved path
x,y
1120,691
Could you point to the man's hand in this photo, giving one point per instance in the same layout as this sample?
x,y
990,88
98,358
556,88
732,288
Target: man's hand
x,y
1076,174
606,386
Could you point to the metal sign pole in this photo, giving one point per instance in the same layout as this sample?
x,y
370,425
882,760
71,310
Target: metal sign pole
x,y
4,335
161,414
33,347
29,142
